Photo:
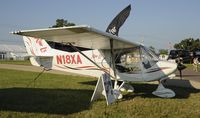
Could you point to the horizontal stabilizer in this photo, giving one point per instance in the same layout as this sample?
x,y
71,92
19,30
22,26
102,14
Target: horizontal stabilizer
x,y
45,62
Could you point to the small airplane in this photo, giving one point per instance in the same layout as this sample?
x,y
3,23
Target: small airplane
x,y
87,51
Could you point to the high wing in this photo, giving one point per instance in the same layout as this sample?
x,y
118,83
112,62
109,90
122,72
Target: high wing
x,y
82,36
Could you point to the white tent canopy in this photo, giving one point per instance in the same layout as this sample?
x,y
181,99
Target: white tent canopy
x,y
12,48
14,52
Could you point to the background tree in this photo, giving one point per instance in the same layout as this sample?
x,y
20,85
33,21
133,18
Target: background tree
x,y
62,23
163,51
188,44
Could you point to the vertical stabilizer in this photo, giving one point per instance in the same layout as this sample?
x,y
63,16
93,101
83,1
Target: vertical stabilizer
x,y
36,46
39,51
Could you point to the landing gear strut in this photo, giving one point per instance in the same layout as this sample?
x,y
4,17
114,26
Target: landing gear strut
x,y
163,92
123,87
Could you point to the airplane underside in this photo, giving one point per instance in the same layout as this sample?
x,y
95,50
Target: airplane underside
x,y
104,87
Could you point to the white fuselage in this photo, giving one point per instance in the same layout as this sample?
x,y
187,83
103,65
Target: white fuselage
x,y
130,64
74,62
77,63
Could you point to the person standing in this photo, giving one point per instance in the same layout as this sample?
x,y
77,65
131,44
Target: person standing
x,y
195,64
180,66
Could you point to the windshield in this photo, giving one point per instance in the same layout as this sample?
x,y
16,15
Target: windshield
x,y
152,55
149,58
130,60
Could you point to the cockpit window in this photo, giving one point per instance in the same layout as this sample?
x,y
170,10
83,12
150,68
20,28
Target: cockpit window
x,y
132,60
153,54
149,59
128,60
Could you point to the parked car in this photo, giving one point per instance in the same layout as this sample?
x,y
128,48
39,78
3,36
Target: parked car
x,y
197,53
183,54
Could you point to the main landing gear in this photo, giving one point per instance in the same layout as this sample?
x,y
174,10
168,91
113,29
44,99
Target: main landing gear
x,y
123,87
163,92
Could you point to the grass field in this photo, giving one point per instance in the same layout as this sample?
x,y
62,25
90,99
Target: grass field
x,y
17,62
58,96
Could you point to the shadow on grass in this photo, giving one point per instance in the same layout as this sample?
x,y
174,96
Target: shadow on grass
x,y
145,91
92,83
188,75
51,101
69,101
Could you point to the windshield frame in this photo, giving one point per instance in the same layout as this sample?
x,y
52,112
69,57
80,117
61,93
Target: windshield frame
x,y
151,53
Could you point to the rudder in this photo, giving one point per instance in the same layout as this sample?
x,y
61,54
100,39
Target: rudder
x,y
39,51
36,46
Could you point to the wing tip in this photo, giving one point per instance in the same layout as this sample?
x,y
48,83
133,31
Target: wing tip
x,y
15,32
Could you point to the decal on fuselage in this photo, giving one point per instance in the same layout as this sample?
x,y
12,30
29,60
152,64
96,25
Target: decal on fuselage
x,y
68,59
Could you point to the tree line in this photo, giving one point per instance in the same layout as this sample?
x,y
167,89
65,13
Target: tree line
x,y
62,23
189,44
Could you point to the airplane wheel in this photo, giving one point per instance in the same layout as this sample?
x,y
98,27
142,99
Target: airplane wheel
x,y
117,94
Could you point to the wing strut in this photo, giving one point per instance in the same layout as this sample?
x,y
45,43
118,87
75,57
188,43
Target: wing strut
x,y
113,62
112,57
90,60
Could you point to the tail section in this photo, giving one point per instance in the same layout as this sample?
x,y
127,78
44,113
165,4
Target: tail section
x,y
39,51
36,46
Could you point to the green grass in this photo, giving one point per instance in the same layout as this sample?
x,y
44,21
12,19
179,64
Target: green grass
x,y
26,62
58,96
188,65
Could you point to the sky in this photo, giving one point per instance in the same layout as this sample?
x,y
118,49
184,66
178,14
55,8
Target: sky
x,y
156,23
